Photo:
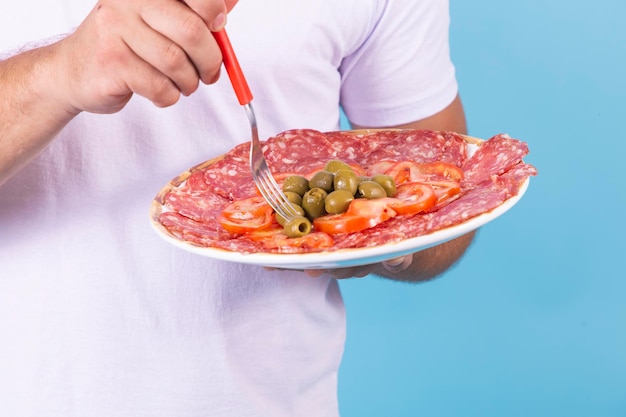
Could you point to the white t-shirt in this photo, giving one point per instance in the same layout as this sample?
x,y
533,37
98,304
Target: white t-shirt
x,y
101,317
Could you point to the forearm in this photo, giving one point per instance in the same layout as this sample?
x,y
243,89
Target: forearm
x,y
30,114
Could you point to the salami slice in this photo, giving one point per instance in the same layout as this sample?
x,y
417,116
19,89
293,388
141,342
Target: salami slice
x,y
187,229
494,157
299,151
470,204
230,177
414,145
199,206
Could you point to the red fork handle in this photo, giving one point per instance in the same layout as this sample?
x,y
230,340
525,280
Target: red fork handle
x,y
240,85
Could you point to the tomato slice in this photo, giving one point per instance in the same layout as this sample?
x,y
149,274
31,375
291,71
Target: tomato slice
x,y
445,191
334,224
246,215
440,171
409,171
361,214
402,172
413,198
266,233
314,240
378,208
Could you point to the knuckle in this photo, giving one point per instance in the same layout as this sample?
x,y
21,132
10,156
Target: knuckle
x,y
163,93
191,29
212,76
173,57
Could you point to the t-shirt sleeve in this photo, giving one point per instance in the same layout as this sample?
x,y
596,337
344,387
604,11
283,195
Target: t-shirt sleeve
x,y
402,72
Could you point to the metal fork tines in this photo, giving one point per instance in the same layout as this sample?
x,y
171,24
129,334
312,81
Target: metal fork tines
x,y
262,175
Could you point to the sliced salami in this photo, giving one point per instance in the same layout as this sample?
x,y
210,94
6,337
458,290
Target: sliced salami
x,y
299,151
414,145
472,203
196,232
494,157
203,207
230,177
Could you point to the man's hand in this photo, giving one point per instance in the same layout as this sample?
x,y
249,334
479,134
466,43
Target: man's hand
x,y
417,267
394,265
159,49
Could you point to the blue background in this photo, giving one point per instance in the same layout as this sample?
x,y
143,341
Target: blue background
x,y
532,322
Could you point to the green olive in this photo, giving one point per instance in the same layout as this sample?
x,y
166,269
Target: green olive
x,y
362,178
387,183
297,184
294,198
346,180
323,180
297,227
335,165
338,201
313,203
281,220
371,190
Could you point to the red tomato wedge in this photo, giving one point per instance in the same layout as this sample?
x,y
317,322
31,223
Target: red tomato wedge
x,y
361,214
409,171
274,237
334,224
402,172
413,198
314,240
247,215
378,208
440,171
266,233
445,190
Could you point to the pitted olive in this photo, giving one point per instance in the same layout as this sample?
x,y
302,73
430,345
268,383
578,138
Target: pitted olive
x,y
361,178
371,190
387,182
297,227
297,184
338,201
281,220
313,203
294,198
322,179
335,165
346,180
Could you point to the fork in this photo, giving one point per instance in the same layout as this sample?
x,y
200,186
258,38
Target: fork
x,y
261,173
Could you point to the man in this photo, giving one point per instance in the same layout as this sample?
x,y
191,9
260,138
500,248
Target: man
x,y
99,316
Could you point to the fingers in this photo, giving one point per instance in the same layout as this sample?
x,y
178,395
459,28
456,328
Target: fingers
x,y
399,264
156,48
186,48
213,13
394,265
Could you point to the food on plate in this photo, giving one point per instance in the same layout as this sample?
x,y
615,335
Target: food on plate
x,y
354,189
